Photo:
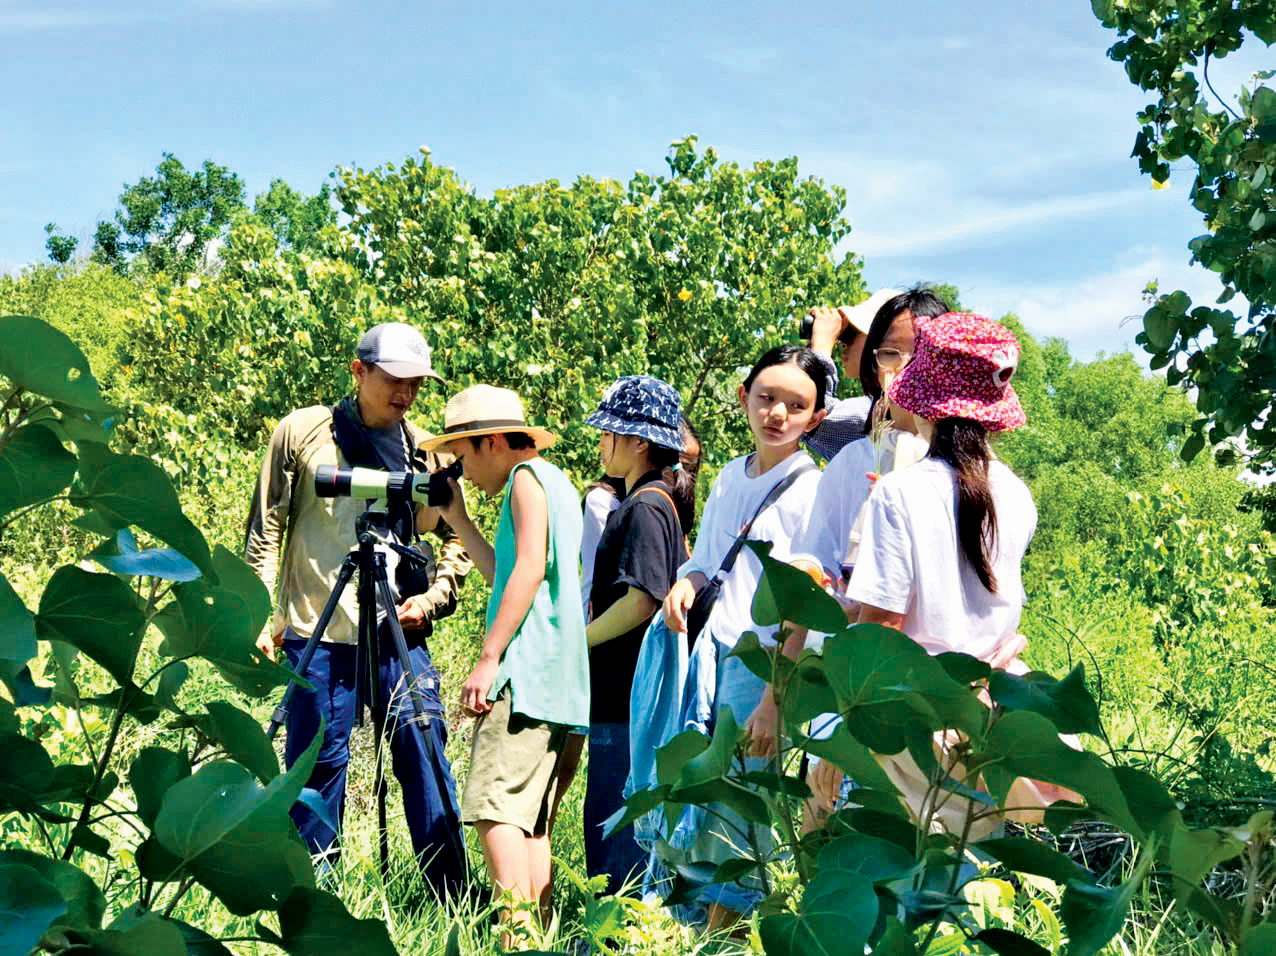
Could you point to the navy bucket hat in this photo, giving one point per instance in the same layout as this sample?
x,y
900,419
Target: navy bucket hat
x,y
643,406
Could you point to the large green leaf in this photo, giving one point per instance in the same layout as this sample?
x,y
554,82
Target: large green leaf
x,y
1259,940
139,933
671,758
1006,942
95,613
132,490
808,693
243,739
786,594
17,626
151,773
220,623
121,555
1065,703
85,904
315,923
44,360
875,859
852,757
1094,914
896,940
871,665
34,466
235,836
199,943
839,911
1024,744
29,905
26,773
1032,856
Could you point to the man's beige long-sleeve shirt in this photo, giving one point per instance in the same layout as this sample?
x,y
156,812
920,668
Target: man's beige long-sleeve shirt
x,y
313,535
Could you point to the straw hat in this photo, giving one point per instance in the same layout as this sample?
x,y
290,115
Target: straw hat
x,y
485,410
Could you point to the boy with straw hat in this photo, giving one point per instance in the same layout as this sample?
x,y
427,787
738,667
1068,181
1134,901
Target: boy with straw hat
x,y
531,683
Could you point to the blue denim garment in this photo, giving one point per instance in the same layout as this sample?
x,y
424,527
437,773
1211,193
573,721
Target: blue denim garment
x,y
429,791
663,689
616,854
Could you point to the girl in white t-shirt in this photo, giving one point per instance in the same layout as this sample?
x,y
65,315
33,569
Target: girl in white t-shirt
x,y
943,540
783,397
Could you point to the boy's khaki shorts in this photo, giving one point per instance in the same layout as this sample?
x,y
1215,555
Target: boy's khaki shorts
x,y
513,769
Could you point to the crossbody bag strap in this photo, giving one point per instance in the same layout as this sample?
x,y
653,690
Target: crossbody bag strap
x,y
772,497
664,494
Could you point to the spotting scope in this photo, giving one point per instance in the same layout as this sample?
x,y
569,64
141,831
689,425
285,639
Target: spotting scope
x,y
429,487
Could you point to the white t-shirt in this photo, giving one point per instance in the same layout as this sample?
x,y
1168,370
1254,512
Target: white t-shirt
x,y
599,504
843,489
732,501
911,563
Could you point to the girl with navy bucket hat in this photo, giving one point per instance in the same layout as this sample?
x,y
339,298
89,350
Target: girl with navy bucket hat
x,y
637,560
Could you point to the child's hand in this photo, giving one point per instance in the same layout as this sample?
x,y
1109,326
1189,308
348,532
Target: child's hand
x,y
474,693
454,512
825,781
762,725
677,602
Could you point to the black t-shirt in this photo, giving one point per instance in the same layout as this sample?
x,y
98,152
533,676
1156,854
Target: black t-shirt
x,y
640,547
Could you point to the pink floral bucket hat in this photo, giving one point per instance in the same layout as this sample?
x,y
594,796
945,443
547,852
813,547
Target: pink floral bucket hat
x,y
961,368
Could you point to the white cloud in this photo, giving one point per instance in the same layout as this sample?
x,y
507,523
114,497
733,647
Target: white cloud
x,y
986,221
1100,312
36,21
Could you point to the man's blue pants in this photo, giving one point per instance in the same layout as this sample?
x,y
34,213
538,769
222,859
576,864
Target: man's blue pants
x,y
429,791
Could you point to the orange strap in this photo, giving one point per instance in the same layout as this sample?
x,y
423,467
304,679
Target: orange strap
x,y
664,494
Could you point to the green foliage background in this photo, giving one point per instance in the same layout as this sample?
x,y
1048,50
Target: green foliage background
x,y
1144,566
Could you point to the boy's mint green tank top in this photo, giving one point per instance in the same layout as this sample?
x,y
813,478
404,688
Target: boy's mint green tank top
x,y
546,664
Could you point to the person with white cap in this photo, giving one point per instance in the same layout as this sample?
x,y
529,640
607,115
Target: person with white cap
x,y
530,685
296,543
861,330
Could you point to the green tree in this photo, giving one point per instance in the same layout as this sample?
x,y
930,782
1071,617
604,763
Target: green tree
x,y
557,290
1167,46
61,248
296,219
169,219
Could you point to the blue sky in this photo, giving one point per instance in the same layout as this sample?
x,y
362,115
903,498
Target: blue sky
x,y
984,145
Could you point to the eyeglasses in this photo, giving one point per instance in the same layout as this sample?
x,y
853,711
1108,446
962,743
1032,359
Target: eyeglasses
x,y
892,360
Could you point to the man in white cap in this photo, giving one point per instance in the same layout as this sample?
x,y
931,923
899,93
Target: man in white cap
x,y
296,543
848,326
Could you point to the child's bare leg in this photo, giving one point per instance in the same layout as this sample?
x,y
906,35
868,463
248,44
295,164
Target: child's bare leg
x,y
721,917
505,847
539,868
568,761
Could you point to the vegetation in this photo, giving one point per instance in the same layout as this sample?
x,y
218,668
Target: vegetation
x,y
1233,149
123,484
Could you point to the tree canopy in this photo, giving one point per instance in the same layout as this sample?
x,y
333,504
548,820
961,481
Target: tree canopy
x,y
1230,360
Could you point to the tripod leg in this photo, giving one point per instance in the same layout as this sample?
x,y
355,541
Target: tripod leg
x,y
386,600
303,664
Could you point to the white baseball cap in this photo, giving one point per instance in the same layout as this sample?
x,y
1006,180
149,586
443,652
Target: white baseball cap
x,y
861,316
398,349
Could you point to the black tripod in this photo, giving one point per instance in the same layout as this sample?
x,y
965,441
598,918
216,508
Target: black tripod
x,y
374,594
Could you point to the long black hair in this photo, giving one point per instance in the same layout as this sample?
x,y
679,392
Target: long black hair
x,y
799,355
918,300
963,444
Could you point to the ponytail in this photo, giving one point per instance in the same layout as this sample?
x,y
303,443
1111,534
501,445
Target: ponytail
x,y
681,481
963,444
